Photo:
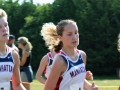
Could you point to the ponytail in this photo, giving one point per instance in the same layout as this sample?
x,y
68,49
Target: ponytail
x,y
58,47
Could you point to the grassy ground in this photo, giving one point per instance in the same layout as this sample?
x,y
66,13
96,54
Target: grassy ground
x,y
104,83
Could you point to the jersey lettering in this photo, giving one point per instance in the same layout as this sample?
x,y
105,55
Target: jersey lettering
x,y
8,68
77,71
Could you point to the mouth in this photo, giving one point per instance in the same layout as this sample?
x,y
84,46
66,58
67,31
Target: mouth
x,y
5,34
74,42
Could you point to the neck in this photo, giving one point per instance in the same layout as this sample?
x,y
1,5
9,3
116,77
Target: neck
x,y
2,46
69,51
53,53
3,49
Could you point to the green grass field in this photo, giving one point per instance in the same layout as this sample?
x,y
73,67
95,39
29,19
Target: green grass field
x,y
104,83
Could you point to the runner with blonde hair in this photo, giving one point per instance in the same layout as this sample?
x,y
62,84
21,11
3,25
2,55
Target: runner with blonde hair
x,y
68,68
51,41
50,37
9,58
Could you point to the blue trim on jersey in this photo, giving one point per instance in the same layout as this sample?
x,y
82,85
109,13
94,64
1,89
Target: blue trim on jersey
x,y
50,62
8,58
72,64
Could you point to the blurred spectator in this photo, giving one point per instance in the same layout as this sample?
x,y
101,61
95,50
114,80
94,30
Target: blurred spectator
x,y
11,41
26,72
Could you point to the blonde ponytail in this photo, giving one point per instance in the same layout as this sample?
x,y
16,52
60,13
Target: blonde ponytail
x,y
49,35
28,46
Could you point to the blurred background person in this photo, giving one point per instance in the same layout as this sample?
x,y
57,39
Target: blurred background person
x,y
11,42
26,57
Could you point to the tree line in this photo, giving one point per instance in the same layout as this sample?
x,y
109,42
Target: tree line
x,y
98,22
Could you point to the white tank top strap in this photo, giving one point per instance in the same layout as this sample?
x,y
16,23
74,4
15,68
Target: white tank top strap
x,y
65,57
49,54
50,57
9,50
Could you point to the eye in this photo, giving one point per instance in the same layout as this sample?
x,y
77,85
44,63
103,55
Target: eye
x,y
76,33
6,25
69,34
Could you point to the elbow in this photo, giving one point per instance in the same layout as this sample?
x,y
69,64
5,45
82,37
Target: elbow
x,y
21,64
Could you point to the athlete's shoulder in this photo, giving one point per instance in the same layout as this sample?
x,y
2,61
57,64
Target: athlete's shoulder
x,y
14,53
59,58
59,62
49,54
44,59
15,57
81,52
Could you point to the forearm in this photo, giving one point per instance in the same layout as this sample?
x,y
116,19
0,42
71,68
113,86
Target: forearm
x,y
19,87
87,85
41,79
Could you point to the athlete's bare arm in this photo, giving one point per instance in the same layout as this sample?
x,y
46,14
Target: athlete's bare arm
x,y
43,64
59,66
16,80
89,74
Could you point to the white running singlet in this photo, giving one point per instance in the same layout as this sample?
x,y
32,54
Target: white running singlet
x,y
6,69
73,77
48,68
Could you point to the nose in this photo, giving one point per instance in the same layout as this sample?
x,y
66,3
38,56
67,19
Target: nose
x,y
4,28
75,36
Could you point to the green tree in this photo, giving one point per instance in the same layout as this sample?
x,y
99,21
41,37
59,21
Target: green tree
x,y
99,26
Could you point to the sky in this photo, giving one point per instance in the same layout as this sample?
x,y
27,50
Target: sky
x,y
40,1
43,1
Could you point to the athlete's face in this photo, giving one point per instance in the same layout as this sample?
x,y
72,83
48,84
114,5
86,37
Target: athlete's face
x,y
70,37
4,29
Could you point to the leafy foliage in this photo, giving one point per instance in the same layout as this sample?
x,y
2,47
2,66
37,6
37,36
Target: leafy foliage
x,y
98,22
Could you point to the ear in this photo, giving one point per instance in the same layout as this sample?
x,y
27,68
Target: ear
x,y
60,38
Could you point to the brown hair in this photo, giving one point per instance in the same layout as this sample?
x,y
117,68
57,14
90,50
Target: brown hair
x,y
50,34
60,28
62,24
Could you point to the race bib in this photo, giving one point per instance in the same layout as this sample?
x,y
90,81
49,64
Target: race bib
x,y
77,86
5,86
